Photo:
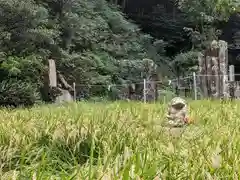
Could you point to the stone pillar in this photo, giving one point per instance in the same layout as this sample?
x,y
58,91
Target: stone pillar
x,y
52,73
216,76
223,67
202,73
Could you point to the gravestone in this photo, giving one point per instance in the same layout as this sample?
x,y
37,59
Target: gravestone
x,y
52,74
151,77
65,97
213,70
58,88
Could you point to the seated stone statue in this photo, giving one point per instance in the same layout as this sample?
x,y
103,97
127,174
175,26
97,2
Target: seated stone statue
x,y
177,115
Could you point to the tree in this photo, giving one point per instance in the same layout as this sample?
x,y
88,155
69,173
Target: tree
x,y
92,42
208,17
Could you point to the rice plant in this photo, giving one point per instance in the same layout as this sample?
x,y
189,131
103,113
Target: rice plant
x,y
119,140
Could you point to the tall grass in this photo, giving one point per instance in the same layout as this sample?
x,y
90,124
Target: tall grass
x,y
119,141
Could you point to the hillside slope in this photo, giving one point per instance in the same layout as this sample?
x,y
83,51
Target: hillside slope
x,y
91,42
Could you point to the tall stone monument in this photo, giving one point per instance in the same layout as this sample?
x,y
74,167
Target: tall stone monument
x,y
213,70
59,90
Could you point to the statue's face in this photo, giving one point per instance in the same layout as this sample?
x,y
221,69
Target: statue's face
x,y
178,106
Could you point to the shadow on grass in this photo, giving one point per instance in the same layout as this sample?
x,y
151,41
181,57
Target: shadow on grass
x,y
57,155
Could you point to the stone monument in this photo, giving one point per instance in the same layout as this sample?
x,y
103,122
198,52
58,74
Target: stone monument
x,y
177,114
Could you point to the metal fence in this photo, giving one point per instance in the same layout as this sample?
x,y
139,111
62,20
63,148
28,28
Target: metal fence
x,y
188,87
229,87
191,87
146,91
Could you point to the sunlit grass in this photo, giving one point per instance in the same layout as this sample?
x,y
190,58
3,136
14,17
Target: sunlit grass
x,y
119,141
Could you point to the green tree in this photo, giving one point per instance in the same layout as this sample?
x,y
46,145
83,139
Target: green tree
x,y
92,42
207,18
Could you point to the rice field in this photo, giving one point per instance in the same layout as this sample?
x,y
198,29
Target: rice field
x,y
119,141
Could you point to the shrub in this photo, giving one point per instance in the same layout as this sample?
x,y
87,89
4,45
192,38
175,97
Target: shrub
x,y
15,93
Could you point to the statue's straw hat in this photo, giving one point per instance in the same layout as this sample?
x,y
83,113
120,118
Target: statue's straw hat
x,y
177,100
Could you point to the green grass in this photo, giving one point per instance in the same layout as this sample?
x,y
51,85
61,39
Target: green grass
x,y
119,141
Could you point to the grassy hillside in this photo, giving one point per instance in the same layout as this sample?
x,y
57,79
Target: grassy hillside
x,y
118,140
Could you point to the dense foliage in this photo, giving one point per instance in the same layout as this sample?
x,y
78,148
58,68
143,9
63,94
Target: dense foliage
x,y
209,18
187,26
94,44
91,41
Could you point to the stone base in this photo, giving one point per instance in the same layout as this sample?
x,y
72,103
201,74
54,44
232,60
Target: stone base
x,y
174,124
174,132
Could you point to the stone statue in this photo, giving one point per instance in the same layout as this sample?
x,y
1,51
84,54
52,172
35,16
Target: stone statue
x,y
177,112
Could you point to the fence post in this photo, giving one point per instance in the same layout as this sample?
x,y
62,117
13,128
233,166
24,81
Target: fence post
x,y
231,73
195,85
144,91
231,81
74,91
